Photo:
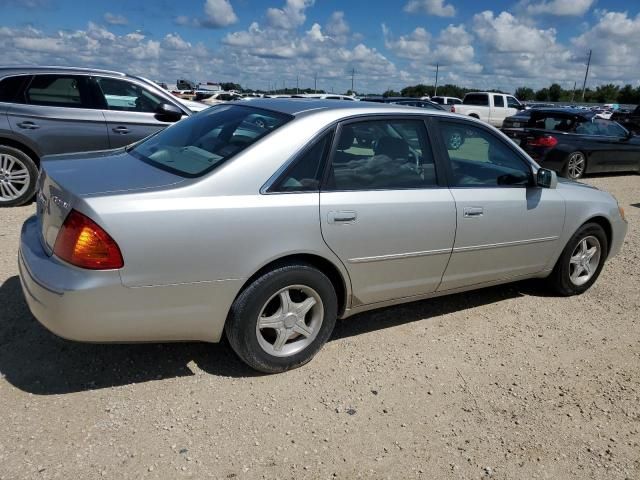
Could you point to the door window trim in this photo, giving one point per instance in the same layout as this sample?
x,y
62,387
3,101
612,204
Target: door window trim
x,y
448,171
419,117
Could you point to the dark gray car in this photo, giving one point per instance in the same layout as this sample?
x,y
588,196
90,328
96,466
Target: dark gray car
x,y
53,110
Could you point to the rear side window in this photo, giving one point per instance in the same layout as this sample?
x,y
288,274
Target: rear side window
x,y
306,173
60,91
480,159
126,96
382,155
479,99
11,88
198,144
439,100
558,123
498,101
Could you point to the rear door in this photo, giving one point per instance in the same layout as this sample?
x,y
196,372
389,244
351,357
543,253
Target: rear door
x,y
498,110
130,110
58,113
385,211
607,147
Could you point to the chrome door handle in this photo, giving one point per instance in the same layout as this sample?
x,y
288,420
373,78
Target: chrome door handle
x,y
121,130
28,125
342,217
471,212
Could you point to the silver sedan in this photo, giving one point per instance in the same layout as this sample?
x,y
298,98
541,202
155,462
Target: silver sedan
x,y
267,222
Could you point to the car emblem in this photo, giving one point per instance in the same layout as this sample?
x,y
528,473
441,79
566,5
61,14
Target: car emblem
x,y
62,204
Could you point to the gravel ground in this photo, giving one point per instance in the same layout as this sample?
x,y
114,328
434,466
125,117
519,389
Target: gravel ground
x,y
502,383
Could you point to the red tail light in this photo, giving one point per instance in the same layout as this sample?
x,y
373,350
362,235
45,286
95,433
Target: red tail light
x,y
83,243
546,142
453,109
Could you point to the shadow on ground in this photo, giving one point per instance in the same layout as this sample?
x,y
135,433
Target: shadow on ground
x,y
36,361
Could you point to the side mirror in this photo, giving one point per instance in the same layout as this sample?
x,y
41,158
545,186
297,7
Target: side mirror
x,y
546,178
168,113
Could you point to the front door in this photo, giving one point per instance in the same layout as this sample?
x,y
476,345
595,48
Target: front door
x,y
506,226
384,212
131,112
59,115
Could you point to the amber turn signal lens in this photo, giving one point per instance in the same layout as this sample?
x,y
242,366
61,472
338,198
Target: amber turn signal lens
x,y
83,243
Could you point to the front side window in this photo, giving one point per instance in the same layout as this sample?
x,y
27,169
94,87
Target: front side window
x,y
498,101
306,173
479,159
59,91
513,103
382,155
198,144
609,128
125,96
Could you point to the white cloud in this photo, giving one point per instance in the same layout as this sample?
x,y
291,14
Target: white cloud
x,y
413,46
337,27
430,7
506,33
291,16
219,13
558,7
115,19
173,41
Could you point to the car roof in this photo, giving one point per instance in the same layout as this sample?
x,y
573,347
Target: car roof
x,y
563,111
303,106
30,69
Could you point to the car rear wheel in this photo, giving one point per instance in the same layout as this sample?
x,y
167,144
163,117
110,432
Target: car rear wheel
x,y
18,175
581,261
576,166
282,319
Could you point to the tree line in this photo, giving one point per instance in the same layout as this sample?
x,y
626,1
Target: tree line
x,y
608,93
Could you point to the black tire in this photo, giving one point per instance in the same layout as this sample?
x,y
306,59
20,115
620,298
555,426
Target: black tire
x,y
473,115
566,170
560,280
32,177
241,325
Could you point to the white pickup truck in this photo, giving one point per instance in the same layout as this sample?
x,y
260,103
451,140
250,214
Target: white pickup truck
x,y
490,107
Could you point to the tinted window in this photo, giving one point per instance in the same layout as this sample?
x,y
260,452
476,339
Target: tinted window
x,y
382,155
479,99
480,159
439,100
126,96
306,173
513,103
498,101
558,123
11,87
609,128
198,144
59,91
455,101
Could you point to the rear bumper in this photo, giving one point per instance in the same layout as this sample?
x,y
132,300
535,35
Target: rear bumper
x,y
94,306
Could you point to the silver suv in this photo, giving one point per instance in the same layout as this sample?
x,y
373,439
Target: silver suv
x,y
53,110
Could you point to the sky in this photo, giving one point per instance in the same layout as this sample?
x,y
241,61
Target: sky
x,y
502,44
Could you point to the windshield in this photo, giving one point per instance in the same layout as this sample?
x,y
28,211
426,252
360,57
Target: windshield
x,y
197,145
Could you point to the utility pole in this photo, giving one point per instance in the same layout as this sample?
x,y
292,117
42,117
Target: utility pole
x,y
315,83
297,83
573,94
584,85
353,74
435,91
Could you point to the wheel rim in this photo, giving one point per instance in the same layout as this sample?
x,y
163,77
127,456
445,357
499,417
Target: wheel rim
x,y
455,141
14,178
290,321
584,260
576,165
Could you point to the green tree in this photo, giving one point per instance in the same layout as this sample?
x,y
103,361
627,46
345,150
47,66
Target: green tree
x,y
607,93
555,92
542,95
525,93
391,93
629,95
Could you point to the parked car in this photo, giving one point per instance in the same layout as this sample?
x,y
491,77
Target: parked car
x,y
53,110
446,100
516,122
489,107
419,103
220,97
324,96
629,120
576,142
267,236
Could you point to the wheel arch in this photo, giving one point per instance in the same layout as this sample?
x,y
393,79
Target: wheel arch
x,y
326,266
606,226
9,142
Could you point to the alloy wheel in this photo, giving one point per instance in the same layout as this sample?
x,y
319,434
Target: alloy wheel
x,y
14,178
576,165
584,260
290,321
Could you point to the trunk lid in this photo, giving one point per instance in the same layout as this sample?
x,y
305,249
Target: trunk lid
x,y
65,179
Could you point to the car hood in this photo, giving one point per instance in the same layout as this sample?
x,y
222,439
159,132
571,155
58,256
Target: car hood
x,y
110,171
192,105
564,183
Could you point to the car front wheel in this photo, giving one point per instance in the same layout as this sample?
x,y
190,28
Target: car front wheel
x,y
18,175
282,319
581,261
576,166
